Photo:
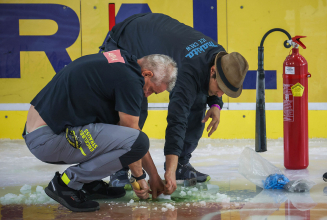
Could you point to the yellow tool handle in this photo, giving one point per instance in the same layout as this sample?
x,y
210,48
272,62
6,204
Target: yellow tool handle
x,y
134,184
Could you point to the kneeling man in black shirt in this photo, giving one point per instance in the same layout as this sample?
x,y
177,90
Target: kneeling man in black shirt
x,y
88,115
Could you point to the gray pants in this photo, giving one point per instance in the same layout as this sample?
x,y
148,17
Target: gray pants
x,y
102,146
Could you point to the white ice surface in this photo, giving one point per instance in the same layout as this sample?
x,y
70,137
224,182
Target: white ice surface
x,y
219,158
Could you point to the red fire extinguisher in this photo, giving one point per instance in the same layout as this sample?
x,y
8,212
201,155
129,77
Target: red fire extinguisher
x,y
295,108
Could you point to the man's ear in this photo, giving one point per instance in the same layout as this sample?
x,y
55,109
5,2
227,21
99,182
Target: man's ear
x,y
147,73
212,71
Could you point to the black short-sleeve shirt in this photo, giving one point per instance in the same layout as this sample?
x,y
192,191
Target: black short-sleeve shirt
x,y
92,89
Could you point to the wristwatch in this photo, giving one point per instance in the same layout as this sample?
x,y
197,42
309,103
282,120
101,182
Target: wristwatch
x,y
140,177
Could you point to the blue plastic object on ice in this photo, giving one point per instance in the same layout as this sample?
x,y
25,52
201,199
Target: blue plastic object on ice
x,y
275,181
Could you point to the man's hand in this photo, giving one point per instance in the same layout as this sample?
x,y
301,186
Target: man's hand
x,y
170,175
213,113
144,192
156,186
136,169
171,185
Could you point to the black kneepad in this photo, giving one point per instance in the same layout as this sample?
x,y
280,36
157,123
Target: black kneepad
x,y
138,150
142,142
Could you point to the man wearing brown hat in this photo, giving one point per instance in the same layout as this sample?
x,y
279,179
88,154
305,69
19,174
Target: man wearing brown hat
x,y
205,73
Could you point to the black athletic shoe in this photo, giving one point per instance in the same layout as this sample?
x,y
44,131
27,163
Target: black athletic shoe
x,y
73,200
187,171
101,190
120,179
324,177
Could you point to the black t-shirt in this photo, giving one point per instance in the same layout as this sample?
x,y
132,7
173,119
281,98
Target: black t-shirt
x,y
92,89
194,53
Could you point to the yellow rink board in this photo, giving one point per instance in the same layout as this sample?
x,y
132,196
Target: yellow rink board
x,y
247,25
234,124
35,68
241,25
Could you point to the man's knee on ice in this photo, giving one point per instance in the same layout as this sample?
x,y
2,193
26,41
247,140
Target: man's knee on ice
x,y
138,150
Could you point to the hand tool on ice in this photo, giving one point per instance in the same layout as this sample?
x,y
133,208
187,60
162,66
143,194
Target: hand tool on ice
x,y
135,184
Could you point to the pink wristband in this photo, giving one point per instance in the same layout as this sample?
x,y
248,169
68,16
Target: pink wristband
x,y
215,105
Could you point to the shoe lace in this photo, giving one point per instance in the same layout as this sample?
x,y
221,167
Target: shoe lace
x,y
81,195
186,166
104,184
189,167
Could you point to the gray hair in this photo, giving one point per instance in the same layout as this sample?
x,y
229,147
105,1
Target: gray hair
x,y
164,69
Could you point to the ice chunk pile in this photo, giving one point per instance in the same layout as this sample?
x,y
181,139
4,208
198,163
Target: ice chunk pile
x,y
11,198
222,198
182,193
206,192
162,196
194,189
168,206
27,197
130,202
143,207
26,189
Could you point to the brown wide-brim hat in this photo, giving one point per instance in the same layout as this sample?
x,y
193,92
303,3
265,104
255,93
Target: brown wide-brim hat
x,y
231,69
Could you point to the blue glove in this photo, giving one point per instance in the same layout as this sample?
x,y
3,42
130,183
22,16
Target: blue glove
x,y
275,181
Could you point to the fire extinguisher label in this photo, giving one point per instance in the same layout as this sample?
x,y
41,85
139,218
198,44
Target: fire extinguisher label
x,y
288,103
297,90
289,70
